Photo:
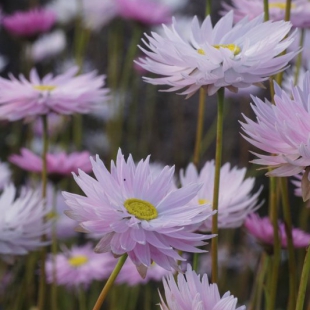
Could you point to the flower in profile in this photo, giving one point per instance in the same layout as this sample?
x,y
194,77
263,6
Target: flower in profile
x,y
235,199
147,12
63,94
193,292
22,222
299,16
58,165
5,175
224,56
30,23
283,130
262,230
78,266
137,212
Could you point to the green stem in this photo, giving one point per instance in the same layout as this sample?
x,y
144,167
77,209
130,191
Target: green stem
x,y
82,299
110,282
266,10
303,281
208,7
299,57
195,262
54,294
218,162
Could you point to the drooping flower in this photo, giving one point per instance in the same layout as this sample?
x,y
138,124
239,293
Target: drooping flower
x,y
30,23
138,213
299,16
195,293
78,266
262,230
283,130
235,199
224,56
58,165
63,94
22,222
5,175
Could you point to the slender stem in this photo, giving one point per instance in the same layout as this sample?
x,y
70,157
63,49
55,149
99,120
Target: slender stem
x,y
299,57
110,282
303,281
202,96
218,162
208,7
54,294
82,300
266,10
195,262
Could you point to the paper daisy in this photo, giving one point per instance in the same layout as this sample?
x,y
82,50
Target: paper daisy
x,y
193,292
21,222
235,198
214,57
63,94
138,213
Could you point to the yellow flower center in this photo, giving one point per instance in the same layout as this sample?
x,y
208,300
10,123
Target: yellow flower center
x,y
232,47
203,201
141,209
78,260
44,87
280,5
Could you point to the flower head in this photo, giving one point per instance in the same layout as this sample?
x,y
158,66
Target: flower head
x,y
63,94
224,56
137,212
235,200
30,23
195,293
300,10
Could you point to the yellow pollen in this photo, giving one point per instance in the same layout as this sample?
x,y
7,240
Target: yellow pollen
x,y
44,87
51,215
280,5
78,260
141,209
201,51
203,201
232,47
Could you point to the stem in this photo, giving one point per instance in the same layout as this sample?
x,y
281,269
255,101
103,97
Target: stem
x,y
54,253
303,281
299,57
82,300
202,96
208,7
218,160
266,10
110,281
195,262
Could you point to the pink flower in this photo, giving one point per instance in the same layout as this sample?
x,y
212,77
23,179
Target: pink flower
x,y
137,212
58,165
144,11
63,94
262,230
30,23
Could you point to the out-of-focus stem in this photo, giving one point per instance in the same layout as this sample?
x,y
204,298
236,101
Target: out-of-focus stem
x,y
208,7
266,10
299,57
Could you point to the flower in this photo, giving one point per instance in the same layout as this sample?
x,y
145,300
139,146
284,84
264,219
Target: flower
x,y
193,292
224,56
21,221
5,174
30,23
55,124
147,12
137,213
235,200
282,130
262,229
58,165
63,94
299,16
78,267
297,182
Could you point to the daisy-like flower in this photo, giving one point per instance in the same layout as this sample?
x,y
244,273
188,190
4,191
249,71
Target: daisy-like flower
x,y
63,94
5,175
138,213
300,10
224,56
58,165
77,267
262,230
21,222
195,293
235,198
283,130
30,23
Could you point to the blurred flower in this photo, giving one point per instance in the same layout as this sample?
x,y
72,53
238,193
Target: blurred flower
x,y
193,292
30,23
305,47
5,175
78,267
297,182
282,130
65,10
223,56
58,165
262,230
299,17
137,213
174,5
47,46
63,94
147,12
55,124
21,222
235,200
